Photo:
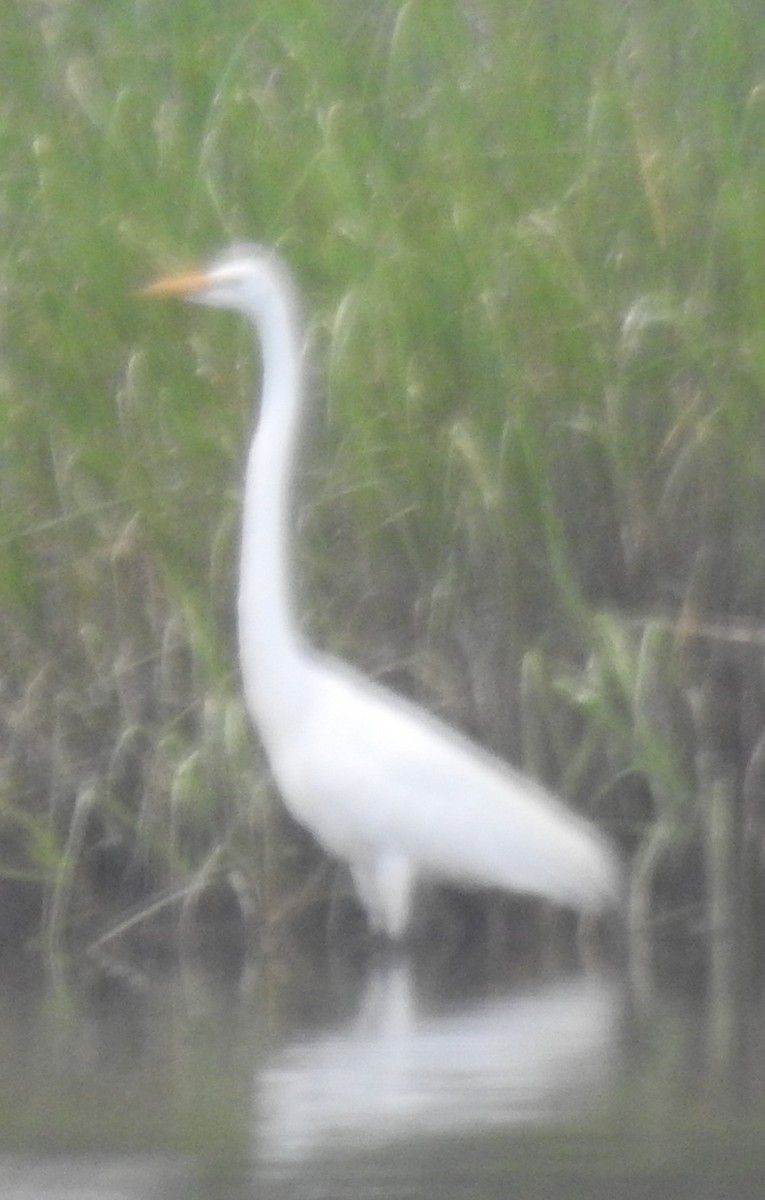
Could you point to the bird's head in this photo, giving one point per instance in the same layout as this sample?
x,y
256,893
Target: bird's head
x,y
247,277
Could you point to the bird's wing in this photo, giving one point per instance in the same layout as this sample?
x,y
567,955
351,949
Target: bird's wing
x,y
372,774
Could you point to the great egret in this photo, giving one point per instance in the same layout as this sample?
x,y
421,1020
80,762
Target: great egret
x,y
380,782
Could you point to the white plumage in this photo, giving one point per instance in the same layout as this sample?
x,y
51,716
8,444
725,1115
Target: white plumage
x,y
381,783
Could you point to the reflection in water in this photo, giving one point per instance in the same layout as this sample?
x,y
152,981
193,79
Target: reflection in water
x,y
508,1061
582,1089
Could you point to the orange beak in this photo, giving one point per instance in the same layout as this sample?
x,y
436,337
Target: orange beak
x,y
176,285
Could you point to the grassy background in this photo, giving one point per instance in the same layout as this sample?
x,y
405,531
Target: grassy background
x,y
531,242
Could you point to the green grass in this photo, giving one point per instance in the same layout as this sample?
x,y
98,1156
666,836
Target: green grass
x,y
530,240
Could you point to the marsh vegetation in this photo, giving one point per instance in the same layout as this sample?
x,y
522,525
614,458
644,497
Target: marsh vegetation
x,y
531,245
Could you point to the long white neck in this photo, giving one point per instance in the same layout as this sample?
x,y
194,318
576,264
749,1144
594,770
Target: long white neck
x,y
273,655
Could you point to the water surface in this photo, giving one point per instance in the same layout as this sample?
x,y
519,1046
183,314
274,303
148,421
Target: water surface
x,y
390,1080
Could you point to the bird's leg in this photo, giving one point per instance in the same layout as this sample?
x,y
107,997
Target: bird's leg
x,y
385,885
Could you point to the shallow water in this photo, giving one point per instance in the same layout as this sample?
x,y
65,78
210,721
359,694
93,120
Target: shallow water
x,y
400,1080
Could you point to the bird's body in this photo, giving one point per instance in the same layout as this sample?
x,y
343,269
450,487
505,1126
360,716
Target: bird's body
x,y
482,823
382,784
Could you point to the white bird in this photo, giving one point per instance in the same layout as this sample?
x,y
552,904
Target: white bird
x,y
381,783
